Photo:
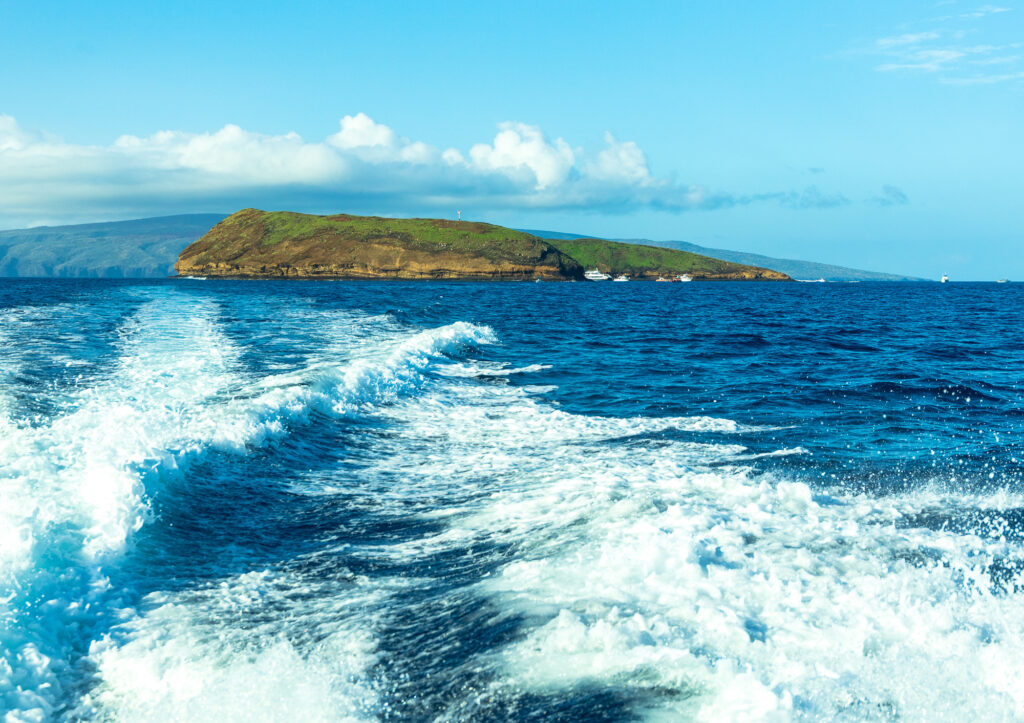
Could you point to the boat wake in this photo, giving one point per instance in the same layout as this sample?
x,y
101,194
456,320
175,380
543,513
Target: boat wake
x,y
395,525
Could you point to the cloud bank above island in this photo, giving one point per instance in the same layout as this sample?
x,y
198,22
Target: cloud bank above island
x,y
364,165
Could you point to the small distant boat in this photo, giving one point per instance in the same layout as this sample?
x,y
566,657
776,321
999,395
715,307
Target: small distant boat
x,y
621,277
663,279
1001,281
684,277
944,279
595,275
194,278
811,281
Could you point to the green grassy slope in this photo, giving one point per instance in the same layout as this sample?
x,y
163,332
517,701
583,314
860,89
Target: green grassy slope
x,y
492,242
639,261
254,243
258,243
428,232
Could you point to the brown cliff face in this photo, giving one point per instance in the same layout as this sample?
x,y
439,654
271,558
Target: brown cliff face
x,y
257,244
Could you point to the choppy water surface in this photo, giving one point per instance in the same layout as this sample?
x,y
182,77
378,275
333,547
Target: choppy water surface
x,y
358,501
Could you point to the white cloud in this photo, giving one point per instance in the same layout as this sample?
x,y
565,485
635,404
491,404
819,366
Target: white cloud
x,y
360,131
519,148
620,161
365,166
235,154
12,138
453,157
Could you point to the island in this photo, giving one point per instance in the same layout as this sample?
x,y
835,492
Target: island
x,y
257,244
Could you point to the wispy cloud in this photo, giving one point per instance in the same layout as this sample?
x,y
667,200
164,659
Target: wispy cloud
x,y
364,165
940,49
890,196
813,197
984,79
974,14
896,41
984,10
929,60
1001,60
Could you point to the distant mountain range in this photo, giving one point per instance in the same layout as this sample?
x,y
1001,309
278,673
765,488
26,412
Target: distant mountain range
x,y
148,248
794,268
144,248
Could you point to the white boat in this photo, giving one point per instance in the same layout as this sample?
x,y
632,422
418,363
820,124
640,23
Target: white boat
x,y
663,279
944,279
684,277
621,277
595,275
1001,281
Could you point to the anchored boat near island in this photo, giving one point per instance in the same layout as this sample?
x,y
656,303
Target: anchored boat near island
x,y
598,275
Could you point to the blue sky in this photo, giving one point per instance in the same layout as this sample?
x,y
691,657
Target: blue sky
x,y
882,135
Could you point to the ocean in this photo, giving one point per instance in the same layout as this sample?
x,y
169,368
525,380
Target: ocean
x,y
320,501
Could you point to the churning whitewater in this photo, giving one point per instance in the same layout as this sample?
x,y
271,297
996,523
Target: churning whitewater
x,y
362,501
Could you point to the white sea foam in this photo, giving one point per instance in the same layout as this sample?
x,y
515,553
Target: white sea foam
x,y
649,562
77,488
167,665
185,660
241,650
73,491
652,565
479,369
377,374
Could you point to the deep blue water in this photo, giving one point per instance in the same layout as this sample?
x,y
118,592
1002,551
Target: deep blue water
x,y
352,500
